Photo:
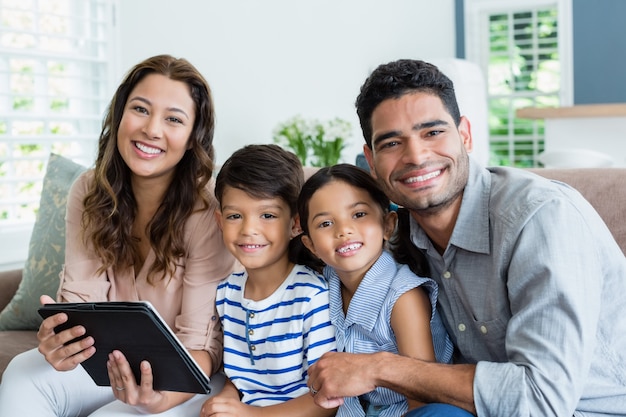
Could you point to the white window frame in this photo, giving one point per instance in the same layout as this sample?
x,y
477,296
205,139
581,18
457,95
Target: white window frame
x,y
477,36
15,233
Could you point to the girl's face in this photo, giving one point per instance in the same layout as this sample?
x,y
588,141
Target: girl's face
x,y
256,231
347,228
156,124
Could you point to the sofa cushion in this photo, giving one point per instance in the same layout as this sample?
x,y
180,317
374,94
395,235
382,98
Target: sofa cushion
x,y
46,250
604,188
14,342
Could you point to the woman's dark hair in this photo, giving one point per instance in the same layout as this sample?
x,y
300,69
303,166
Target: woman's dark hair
x,y
110,205
397,78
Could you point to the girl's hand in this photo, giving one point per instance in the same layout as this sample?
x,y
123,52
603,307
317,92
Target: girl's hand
x,y
63,356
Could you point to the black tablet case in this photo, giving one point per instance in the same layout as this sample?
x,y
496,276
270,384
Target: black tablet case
x,y
138,331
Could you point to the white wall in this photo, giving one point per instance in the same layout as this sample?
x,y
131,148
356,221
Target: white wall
x,y
269,60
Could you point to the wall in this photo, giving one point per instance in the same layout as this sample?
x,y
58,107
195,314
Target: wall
x,y
599,51
269,60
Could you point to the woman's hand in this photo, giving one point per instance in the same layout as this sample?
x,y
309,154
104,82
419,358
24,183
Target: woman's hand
x,y
63,356
142,396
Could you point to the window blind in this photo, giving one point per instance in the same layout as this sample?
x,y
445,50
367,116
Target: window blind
x,y
55,58
517,43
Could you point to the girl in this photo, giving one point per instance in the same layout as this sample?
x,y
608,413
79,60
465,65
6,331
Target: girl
x,y
376,304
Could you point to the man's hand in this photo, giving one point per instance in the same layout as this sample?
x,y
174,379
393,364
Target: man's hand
x,y
337,375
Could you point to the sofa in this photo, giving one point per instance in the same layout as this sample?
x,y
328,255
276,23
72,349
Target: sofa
x,y
604,188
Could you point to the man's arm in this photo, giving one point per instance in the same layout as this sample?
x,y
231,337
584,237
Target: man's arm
x,y
338,375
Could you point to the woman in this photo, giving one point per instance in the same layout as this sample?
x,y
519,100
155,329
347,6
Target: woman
x,y
140,226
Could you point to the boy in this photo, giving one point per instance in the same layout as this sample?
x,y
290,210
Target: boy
x,y
275,314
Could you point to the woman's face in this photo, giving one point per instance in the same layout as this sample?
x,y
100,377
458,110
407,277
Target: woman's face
x,y
154,132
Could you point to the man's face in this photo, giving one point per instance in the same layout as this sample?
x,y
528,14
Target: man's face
x,y
418,155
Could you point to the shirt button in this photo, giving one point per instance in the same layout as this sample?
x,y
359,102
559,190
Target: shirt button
x,y
251,315
213,318
483,329
250,332
462,327
252,347
447,274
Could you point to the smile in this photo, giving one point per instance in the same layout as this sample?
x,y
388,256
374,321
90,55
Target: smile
x,y
423,178
251,246
147,149
350,247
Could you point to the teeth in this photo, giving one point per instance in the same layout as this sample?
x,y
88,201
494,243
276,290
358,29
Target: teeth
x,y
147,149
252,246
348,248
422,178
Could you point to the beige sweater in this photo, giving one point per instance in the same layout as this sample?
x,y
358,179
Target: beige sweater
x,y
185,300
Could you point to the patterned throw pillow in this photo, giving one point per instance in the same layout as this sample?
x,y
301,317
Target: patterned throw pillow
x,y
46,250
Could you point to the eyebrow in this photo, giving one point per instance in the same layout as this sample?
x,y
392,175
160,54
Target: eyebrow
x,y
352,206
145,100
416,127
265,207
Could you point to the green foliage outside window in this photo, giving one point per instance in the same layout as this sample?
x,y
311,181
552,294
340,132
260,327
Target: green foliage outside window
x,y
523,71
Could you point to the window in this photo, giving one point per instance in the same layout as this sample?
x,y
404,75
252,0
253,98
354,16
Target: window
x,y
523,48
55,58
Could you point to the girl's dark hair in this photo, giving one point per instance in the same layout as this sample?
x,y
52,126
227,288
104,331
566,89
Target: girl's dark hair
x,y
350,174
400,243
110,205
403,250
394,80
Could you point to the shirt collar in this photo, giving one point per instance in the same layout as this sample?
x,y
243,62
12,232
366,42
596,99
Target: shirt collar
x,y
365,309
471,231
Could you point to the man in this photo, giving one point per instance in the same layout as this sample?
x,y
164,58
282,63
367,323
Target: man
x,y
531,281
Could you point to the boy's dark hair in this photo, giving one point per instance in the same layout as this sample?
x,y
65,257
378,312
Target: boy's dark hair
x,y
268,171
397,78
263,171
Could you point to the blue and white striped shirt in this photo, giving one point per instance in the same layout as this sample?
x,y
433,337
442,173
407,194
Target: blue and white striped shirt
x,y
269,344
366,328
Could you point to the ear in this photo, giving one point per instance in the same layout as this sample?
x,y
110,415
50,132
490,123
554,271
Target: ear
x,y
369,157
218,218
295,226
308,243
389,224
465,130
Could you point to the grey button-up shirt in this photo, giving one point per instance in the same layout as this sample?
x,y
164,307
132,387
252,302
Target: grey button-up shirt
x,y
533,290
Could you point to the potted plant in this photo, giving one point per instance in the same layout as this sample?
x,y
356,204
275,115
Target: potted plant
x,y
317,143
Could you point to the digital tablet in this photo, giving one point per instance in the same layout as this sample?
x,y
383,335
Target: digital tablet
x,y
139,332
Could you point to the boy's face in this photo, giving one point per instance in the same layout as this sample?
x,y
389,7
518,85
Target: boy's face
x,y
256,231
